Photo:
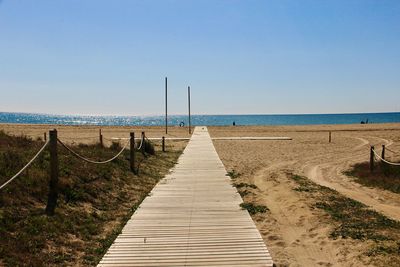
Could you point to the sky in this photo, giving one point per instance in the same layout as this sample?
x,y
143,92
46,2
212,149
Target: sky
x,y
99,57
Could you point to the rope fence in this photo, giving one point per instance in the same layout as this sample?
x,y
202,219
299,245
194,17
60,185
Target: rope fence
x,y
139,148
89,160
374,156
26,166
52,142
377,156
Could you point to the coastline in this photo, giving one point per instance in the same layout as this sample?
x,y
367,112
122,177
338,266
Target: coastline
x,y
197,119
90,133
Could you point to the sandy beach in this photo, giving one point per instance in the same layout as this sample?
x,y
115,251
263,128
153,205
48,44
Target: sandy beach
x,y
296,233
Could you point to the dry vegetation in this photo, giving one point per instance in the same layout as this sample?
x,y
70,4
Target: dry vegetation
x,y
384,176
94,202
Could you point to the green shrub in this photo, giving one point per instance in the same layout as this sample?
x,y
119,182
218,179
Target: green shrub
x,y
233,174
149,147
253,209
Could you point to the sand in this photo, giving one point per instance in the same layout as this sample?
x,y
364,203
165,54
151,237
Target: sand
x,y
295,233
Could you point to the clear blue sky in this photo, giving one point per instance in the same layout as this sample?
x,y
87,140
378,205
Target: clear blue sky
x,y
240,57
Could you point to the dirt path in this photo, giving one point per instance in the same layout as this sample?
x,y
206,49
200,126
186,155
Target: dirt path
x,y
297,235
297,223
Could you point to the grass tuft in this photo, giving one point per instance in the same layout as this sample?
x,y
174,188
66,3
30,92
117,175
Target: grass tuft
x,y
245,192
241,185
233,174
253,209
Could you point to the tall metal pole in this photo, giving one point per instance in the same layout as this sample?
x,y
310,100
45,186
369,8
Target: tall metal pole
x,y
190,130
166,105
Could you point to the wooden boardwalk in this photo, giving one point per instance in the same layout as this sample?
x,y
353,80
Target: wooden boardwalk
x,y
191,218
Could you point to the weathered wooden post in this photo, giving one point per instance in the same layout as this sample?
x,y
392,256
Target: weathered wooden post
x,y
163,144
45,136
330,136
132,152
383,152
371,159
53,184
101,138
143,149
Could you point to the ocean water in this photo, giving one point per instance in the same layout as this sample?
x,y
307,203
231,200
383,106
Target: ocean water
x,y
209,120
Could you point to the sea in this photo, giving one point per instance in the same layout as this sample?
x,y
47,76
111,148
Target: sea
x,y
207,120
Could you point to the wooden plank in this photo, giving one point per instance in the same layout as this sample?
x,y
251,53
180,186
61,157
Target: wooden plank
x,y
191,218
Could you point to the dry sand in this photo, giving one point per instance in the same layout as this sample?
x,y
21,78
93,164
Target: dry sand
x,y
295,233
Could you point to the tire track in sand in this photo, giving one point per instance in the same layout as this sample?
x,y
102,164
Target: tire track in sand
x,y
330,174
303,238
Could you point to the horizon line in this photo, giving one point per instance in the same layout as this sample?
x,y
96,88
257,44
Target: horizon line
x,y
222,114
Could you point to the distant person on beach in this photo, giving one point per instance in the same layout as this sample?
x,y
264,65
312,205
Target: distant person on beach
x,y
366,122
234,123
181,124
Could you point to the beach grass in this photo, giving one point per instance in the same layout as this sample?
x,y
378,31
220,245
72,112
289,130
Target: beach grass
x,y
384,176
94,202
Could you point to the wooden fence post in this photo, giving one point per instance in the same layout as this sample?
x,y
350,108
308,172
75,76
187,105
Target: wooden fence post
x,y
371,159
330,136
101,138
144,143
383,152
53,184
45,136
163,144
132,153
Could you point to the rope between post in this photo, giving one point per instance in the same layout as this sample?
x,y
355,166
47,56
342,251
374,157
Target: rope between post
x,y
141,143
388,162
89,160
26,166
